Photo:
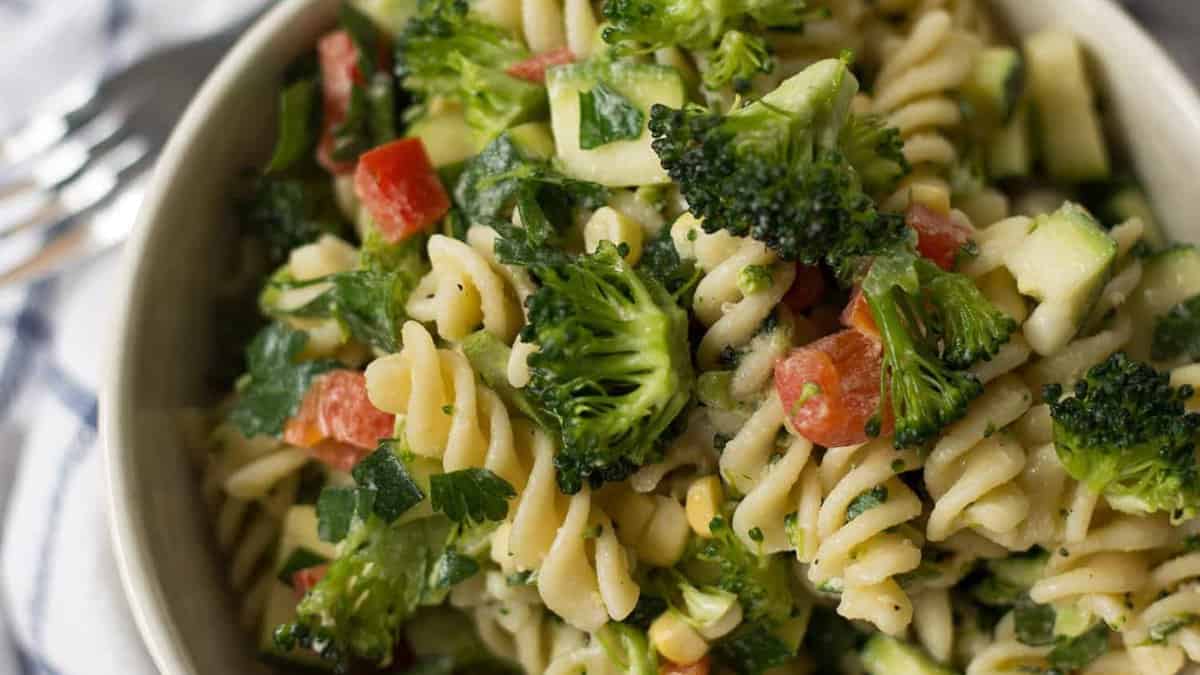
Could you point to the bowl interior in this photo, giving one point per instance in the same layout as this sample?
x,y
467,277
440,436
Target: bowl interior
x,y
181,261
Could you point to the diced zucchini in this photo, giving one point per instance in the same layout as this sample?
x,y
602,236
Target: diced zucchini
x,y
1010,150
995,85
1064,263
533,139
1073,145
299,540
620,163
885,655
447,138
1128,201
1168,278
390,15
280,609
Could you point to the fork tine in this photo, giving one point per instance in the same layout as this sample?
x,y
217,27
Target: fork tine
x,y
86,190
41,255
50,124
63,161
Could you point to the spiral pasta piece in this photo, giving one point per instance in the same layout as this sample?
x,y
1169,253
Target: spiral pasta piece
x,y
1094,574
449,416
731,315
865,550
774,490
249,485
970,472
913,92
1162,638
465,289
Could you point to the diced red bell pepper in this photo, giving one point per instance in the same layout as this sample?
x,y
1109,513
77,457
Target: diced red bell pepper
x,y
534,68
398,185
807,290
857,314
830,388
940,238
339,73
303,580
701,667
337,422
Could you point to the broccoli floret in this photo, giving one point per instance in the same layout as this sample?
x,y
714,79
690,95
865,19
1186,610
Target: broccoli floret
x,y
759,582
736,60
700,26
613,367
876,152
1126,433
449,53
1177,333
700,605
357,611
628,648
932,323
776,169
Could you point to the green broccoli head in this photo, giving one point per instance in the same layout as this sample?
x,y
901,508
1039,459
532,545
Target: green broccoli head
x,y
446,52
356,612
775,169
876,152
736,60
1126,433
933,324
695,24
613,367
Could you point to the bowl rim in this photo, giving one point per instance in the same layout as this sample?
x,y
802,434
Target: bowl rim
x,y
142,587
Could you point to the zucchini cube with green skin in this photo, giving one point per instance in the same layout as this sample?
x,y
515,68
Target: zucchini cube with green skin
x,y
620,163
1064,263
1168,278
995,85
447,138
1073,145
885,655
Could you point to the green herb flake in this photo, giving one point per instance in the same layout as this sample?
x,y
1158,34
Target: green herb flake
x,y
1077,652
754,279
335,512
605,116
866,501
452,568
471,495
383,474
277,383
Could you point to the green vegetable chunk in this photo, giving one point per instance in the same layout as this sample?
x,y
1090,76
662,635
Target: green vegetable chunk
x,y
1077,652
290,212
297,124
628,649
790,170
1126,433
358,609
276,383
1177,333
613,367
886,655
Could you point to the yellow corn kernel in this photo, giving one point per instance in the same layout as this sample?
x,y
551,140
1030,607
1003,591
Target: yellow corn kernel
x,y
666,535
676,640
704,498
609,224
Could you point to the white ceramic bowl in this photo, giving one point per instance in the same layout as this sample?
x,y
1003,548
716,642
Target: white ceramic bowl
x,y
183,247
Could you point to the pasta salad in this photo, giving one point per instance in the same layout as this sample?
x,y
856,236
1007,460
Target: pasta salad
x,y
681,337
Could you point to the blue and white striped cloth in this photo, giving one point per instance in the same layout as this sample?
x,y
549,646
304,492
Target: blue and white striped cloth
x,y
63,609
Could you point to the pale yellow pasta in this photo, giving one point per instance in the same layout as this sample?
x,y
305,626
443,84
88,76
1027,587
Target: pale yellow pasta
x,y
653,526
970,472
609,224
912,90
732,316
773,489
866,553
579,23
1071,363
464,291
933,621
993,243
692,451
543,24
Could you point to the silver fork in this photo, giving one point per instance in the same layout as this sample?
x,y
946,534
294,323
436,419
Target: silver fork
x,y
72,176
